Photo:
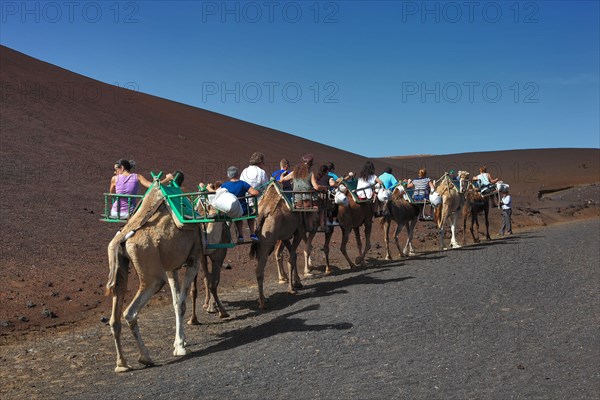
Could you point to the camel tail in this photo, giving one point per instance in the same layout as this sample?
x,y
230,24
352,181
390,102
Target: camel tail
x,y
118,268
386,218
437,214
254,250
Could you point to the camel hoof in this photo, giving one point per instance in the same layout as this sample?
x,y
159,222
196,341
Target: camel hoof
x,y
262,305
292,291
146,361
180,351
388,257
281,281
224,315
327,271
412,254
123,368
193,321
456,246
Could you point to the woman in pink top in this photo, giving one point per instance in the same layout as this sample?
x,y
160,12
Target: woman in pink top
x,y
126,182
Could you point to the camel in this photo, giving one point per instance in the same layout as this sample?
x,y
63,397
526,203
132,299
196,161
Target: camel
x,y
406,215
475,203
214,232
152,241
351,218
452,202
310,219
276,222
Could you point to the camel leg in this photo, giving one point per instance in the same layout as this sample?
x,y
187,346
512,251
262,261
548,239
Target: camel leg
x,y
442,224
410,229
307,251
215,277
453,242
465,228
117,309
396,234
442,237
260,274
361,255
475,232
345,238
147,289
487,224
194,295
328,236
206,280
207,299
115,327
368,228
179,307
386,237
279,247
293,265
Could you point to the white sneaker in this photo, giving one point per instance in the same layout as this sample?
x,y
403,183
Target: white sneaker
x,y
334,223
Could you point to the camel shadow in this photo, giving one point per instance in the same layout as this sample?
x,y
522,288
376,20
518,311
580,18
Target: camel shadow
x,y
278,325
311,288
327,288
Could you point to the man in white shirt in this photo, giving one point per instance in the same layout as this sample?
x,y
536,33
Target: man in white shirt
x,y
255,176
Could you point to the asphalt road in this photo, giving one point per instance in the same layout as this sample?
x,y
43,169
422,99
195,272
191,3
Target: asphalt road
x,y
514,318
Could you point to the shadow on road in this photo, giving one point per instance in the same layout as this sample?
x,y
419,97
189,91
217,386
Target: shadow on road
x,y
281,324
311,288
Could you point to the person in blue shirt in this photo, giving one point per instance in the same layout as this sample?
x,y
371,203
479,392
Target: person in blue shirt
x,y
331,173
239,189
284,164
389,181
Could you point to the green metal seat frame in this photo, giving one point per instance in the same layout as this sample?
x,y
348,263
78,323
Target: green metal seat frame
x,y
182,204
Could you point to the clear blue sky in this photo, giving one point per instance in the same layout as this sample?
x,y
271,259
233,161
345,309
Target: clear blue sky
x,y
375,78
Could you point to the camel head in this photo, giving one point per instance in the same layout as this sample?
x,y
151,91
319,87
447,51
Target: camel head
x,y
463,178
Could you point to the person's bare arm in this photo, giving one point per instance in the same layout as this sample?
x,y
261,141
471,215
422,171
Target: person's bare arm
x,y
288,177
146,183
253,192
315,184
113,185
